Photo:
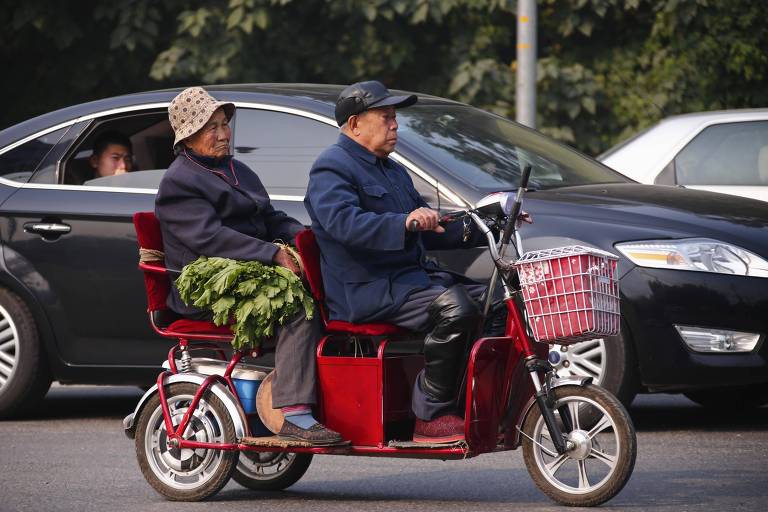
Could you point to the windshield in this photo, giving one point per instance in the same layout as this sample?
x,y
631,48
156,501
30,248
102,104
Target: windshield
x,y
487,152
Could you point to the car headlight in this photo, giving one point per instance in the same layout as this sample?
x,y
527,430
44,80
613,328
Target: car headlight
x,y
698,254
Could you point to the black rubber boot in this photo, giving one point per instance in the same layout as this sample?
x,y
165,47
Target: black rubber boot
x,y
456,316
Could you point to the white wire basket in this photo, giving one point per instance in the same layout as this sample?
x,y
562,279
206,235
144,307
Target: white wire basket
x,y
571,294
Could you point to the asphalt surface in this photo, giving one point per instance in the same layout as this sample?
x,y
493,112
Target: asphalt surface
x,y
73,456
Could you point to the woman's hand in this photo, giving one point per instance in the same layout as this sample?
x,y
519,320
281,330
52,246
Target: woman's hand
x,y
284,259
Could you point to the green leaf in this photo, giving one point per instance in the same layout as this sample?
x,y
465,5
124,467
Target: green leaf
x,y
420,14
235,17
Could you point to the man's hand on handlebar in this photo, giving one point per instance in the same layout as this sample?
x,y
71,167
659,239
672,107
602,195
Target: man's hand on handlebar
x,y
424,219
523,217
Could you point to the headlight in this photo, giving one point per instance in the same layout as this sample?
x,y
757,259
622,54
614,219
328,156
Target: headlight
x,y
701,254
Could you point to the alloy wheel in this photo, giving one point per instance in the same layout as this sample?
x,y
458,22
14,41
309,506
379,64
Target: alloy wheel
x,y
9,347
584,359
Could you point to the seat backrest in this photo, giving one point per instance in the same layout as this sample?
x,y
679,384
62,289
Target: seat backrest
x,y
150,237
310,258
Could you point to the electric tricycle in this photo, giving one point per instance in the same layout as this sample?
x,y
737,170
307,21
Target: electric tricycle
x,y
200,425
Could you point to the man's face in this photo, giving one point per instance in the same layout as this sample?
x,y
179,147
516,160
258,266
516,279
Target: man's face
x,y
212,139
115,159
376,130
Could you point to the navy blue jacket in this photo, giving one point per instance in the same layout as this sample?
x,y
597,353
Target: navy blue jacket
x,y
358,204
206,212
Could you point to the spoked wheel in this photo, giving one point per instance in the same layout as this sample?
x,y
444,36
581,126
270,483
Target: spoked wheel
x,y
271,471
602,447
185,474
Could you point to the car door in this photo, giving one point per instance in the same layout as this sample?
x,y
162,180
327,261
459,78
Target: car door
x,y
74,248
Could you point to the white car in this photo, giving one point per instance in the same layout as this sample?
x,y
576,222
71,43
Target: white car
x,y
724,151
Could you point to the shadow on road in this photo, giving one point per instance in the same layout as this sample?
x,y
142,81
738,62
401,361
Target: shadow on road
x,y
63,402
674,412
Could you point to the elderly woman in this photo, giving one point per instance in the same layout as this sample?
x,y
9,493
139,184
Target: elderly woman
x,y
210,204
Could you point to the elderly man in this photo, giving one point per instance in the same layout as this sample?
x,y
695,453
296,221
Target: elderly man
x,y
372,228
210,204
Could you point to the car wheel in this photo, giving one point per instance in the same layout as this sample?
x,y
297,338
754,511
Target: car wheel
x,y
734,397
24,373
609,361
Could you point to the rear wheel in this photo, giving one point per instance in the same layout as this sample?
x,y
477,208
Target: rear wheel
x,y
24,373
271,471
602,451
185,474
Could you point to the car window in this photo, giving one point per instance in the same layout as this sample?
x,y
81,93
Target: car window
x,y
726,154
281,147
151,139
19,163
487,152
47,171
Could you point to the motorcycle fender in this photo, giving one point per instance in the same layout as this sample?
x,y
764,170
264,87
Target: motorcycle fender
x,y
555,383
222,393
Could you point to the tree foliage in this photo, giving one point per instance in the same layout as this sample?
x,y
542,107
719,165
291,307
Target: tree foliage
x,y
607,68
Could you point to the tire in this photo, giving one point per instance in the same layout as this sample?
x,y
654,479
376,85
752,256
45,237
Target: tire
x,y
24,372
185,475
740,398
605,453
271,471
611,363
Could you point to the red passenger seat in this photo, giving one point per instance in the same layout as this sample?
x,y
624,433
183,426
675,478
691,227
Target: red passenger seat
x,y
310,258
158,285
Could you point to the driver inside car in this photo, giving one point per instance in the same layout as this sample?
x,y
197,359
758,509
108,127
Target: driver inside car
x,y
373,227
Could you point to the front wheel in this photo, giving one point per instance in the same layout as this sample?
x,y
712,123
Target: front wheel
x,y
185,474
271,471
602,447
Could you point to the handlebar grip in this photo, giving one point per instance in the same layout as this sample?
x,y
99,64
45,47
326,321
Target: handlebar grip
x,y
509,229
526,175
413,225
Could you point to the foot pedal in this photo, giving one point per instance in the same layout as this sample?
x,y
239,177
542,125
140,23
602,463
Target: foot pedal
x,y
410,444
275,442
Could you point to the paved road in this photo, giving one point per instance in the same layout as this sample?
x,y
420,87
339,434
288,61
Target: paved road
x,y
74,457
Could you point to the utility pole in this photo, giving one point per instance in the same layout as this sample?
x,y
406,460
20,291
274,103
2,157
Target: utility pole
x,y
525,99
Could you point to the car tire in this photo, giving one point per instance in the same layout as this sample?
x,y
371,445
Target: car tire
x,y
732,398
24,372
611,362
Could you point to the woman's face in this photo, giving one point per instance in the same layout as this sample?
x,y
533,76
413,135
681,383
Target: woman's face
x,y
212,139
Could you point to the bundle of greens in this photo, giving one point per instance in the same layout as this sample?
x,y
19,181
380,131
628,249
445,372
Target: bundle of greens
x,y
251,296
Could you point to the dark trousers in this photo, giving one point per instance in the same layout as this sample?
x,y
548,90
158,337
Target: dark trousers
x,y
413,316
295,379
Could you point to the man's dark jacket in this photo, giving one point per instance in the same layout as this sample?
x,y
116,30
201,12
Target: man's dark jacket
x,y
358,204
205,210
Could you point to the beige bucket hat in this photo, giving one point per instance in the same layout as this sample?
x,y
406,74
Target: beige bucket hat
x,y
191,109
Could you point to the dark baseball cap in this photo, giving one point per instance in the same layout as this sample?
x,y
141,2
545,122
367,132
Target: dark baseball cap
x,y
361,96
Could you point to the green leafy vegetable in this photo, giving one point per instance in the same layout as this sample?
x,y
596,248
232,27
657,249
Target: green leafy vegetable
x,y
251,296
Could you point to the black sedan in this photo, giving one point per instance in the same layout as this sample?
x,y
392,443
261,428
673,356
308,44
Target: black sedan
x,y
72,306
